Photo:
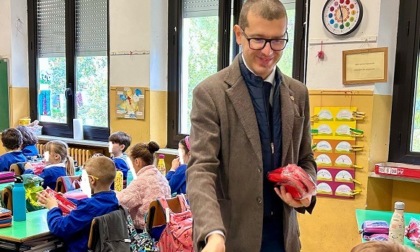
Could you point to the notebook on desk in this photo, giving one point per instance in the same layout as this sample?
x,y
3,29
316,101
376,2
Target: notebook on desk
x,y
5,217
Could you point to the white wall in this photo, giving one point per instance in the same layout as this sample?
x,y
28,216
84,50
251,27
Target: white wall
x,y
159,46
19,44
130,30
5,26
377,29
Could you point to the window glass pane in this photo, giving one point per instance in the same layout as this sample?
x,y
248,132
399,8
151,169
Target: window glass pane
x,y
51,87
415,131
286,62
199,60
92,90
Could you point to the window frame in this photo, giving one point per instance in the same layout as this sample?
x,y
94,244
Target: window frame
x,y
225,40
407,53
57,129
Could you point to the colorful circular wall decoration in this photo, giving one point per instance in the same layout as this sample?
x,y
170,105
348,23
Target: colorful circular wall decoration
x,y
341,17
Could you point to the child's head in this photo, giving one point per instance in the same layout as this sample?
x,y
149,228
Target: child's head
x,y
56,152
11,139
101,171
29,137
380,246
118,143
142,154
184,150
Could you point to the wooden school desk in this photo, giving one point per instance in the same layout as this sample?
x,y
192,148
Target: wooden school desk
x,y
24,234
362,215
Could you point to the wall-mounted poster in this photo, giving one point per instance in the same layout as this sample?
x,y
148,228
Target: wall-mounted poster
x,y
130,102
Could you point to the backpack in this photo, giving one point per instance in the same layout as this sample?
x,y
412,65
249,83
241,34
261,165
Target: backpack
x,y
177,235
142,242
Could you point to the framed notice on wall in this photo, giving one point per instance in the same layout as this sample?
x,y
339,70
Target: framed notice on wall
x,y
365,65
130,102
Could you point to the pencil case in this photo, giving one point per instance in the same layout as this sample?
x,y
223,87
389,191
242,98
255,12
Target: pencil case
x,y
373,228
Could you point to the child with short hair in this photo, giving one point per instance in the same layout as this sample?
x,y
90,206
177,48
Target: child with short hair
x,y
12,142
118,143
380,246
74,228
177,174
59,163
29,141
149,185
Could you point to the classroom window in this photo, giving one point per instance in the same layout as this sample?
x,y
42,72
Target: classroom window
x,y
68,66
405,118
199,47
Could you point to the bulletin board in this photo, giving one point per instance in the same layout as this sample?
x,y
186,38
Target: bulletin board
x,y
130,102
4,96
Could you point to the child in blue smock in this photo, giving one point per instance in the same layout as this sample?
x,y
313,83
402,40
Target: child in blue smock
x,y
118,144
29,141
74,228
12,141
176,175
59,163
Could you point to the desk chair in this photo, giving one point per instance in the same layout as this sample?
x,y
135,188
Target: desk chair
x,y
6,197
67,183
19,168
156,216
109,232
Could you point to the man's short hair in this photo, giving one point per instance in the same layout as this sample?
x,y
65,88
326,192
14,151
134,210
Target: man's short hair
x,y
120,137
267,9
11,138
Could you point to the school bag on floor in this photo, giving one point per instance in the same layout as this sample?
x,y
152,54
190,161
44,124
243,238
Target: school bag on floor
x,y
177,235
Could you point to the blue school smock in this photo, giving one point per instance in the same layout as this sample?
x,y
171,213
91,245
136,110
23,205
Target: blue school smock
x,y
121,164
177,179
10,158
50,174
30,151
74,228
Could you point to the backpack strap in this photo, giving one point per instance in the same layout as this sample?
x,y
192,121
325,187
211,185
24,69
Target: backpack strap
x,y
165,208
183,202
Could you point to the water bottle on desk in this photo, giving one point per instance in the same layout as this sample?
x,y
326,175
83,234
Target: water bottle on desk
x,y
397,226
161,164
18,200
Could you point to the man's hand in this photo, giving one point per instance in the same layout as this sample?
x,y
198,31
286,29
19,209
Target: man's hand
x,y
288,199
47,200
215,243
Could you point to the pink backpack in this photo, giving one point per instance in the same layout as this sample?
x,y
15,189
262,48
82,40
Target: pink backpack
x,y
177,235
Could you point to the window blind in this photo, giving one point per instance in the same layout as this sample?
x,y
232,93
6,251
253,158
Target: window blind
x,y
200,8
91,27
51,28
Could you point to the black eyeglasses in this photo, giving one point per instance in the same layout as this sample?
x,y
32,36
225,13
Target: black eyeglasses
x,y
259,43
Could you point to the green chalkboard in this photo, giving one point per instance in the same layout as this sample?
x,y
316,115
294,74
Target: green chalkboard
x,y
4,96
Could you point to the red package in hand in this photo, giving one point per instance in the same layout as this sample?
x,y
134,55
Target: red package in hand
x,y
64,204
295,180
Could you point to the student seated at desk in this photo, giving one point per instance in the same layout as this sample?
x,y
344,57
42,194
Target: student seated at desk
x,y
118,144
177,174
12,141
59,163
28,142
149,185
74,228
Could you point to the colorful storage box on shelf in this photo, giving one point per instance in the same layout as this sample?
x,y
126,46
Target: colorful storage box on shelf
x,y
398,170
